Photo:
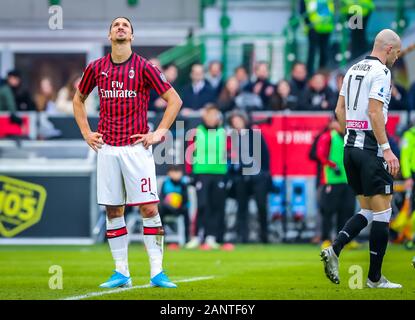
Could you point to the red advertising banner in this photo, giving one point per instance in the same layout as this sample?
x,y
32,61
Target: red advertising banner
x,y
9,128
289,139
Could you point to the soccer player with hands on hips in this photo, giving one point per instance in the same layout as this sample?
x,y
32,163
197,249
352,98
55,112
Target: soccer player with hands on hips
x,y
362,110
125,165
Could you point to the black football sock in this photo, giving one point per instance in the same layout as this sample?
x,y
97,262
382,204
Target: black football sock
x,y
379,236
351,229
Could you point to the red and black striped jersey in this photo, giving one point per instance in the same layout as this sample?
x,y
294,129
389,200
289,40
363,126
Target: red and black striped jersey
x,y
124,92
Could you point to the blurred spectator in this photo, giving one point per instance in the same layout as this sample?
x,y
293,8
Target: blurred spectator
x,y
358,40
242,76
298,82
282,98
214,76
23,100
45,96
249,101
65,96
158,103
398,98
336,197
319,21
45,105
209,167
318,96
199,92
171,72
174,199
226,101
244,186
261,86
7,102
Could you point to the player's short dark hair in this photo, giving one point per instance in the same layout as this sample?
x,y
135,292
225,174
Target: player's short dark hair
x,y
131,25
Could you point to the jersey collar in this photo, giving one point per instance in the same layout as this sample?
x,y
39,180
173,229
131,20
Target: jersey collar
x,y
121,63
373,58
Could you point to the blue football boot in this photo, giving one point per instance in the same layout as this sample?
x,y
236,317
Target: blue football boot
x,y
162,280
117,280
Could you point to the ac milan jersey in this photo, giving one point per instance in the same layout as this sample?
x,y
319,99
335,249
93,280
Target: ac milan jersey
x,y
369,78
124,92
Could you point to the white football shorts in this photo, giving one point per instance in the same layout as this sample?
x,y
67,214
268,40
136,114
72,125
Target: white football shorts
x,y
126,176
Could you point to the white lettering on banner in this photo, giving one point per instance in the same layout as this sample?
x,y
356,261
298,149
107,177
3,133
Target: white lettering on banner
x,y
295,137
357,124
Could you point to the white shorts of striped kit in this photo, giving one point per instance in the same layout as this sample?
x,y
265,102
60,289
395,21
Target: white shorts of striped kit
x,y
126,175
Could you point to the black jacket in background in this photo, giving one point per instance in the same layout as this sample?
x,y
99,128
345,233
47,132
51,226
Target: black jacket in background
x,y
24,101
312,100
265,84
197,101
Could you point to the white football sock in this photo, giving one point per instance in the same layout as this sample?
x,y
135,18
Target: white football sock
x,y
117,236
153,234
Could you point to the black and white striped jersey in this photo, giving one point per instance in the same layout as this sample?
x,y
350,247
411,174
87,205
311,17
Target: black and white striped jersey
x,y
369,78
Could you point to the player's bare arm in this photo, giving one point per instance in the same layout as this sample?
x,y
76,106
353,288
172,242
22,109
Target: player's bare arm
x,y
94,139
341,113
378,125
174,104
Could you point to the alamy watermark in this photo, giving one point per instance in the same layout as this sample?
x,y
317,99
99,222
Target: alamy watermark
x,y
356,279
356,19
56,17
56,280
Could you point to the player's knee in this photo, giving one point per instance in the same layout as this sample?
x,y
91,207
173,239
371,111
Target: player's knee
x,y
114,212
148,211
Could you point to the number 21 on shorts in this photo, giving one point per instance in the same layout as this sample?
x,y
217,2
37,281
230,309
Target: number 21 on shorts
x,y
145,185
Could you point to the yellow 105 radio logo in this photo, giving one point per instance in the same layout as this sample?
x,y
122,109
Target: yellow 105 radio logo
x,y
21,205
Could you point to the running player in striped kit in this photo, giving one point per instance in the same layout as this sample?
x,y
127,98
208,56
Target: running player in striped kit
x,y
125,165
362,110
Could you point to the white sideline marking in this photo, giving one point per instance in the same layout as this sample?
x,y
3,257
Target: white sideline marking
x,y
101,293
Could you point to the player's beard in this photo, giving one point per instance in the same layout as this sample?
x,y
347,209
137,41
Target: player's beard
x,y
121,41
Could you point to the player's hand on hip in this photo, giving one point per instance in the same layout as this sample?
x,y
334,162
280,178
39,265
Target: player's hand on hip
x,y
392,161
94,140
147,139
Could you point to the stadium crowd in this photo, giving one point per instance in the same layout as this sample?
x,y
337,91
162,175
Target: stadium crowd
x,y
256,92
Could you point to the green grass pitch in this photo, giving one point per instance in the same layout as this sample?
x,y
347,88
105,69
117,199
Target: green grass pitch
x,y
270,272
